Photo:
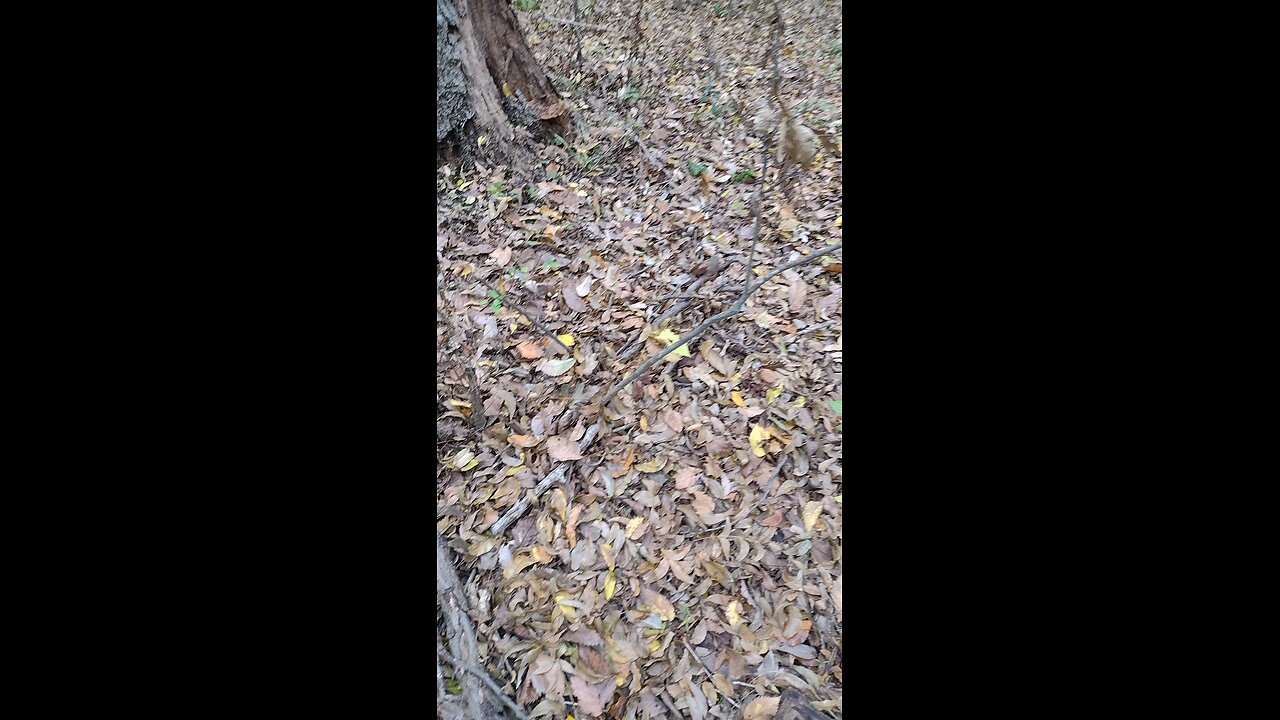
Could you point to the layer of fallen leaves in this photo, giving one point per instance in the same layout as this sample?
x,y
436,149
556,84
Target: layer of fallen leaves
x,y
660,556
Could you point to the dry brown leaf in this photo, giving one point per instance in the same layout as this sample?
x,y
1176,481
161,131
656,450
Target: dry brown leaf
x,y
529,350
592,665
654,602
584,636
686,477
524,441
571,298
812,510
592,697
702,503
563,449
762,708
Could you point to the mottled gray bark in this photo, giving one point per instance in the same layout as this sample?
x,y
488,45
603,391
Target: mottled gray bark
x,y
481,48
452,108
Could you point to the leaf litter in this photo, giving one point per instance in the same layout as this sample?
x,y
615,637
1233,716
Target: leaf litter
x,y
690,560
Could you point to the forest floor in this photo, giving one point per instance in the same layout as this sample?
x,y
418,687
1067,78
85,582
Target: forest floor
x,y
682,557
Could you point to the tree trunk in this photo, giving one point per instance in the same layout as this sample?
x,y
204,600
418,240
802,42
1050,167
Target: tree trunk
x,y
487,79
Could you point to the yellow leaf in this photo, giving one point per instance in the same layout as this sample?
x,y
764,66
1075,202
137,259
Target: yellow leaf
x,y
570,612
734,613
675,355
470,199
653,465
514,470
480,140
839,219
506,90
838,497
772,393
736,397
757,440
462,458
812,510
468,466
667,336
762,708
634,528
606,550
610,585
483,546
799,402
654,602
566,338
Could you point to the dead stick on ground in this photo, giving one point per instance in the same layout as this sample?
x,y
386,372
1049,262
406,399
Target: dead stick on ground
x,y
713,269
528,317
577,35
484,678
458,624
733,309
573,23
477,400
768,484
710,672
557,475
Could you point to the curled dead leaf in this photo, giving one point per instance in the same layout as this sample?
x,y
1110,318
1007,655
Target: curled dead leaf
x,y
563,449
702,503
762,708
529,350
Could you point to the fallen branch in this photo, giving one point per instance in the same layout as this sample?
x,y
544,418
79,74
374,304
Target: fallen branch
x,y
577,36
815,328
557,475
574,23
462,636
710,672
732,310
477,400
528,317
768,484
484,678
713,269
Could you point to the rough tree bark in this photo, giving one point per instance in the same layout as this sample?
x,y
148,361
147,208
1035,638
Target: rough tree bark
x,y
487,80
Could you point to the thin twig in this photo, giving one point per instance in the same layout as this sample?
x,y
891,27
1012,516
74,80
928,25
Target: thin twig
x,y
574,23
733,309
577,35
713,269
484,678
637,35
528,317
710,672
557,475
756,202
477,400
662,695
769,483
814,328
